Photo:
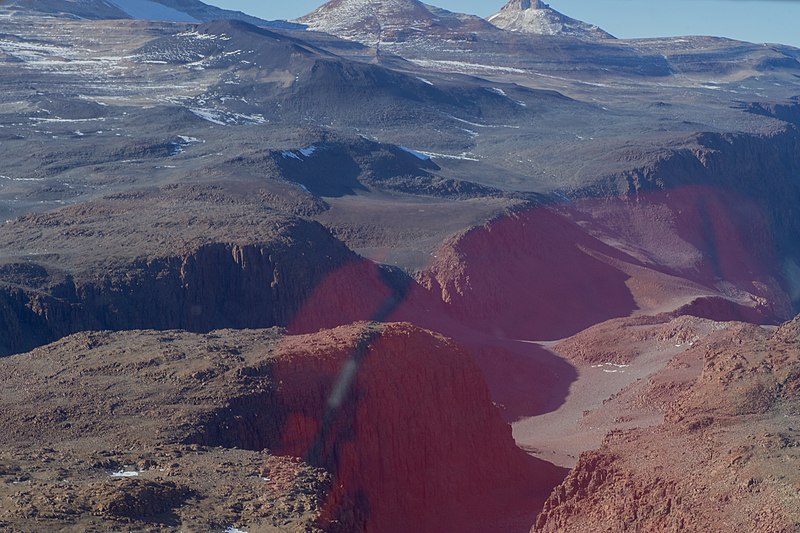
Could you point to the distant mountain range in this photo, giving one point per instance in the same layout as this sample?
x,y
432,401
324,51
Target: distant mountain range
x,y
365,21
388,21
399,20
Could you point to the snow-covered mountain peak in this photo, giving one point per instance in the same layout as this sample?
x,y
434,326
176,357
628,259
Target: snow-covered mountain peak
x,y
536,17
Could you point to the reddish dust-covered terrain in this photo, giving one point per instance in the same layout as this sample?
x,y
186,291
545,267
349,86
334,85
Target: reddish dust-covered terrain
x,y
390,268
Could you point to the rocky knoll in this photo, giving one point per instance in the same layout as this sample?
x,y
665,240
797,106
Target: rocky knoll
x,y
724,459
531,275
138,431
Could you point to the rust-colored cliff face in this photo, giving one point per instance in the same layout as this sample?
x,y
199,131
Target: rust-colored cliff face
x,y
549,272
720,210
411,442
410,436
696,223
531,275
699,230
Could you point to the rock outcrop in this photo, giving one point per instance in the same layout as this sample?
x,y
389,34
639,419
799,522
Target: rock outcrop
x,y
400,418
529,275
725,458
536,17
697,231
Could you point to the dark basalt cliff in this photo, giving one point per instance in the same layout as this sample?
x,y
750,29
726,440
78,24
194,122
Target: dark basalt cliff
x,y
217,286
85,269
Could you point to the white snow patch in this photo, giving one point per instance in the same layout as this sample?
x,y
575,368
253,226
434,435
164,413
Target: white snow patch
x,y
308,152
65,120
418,155
463,157
611,368
254,119
477,125
204,36
501,92
423,80
461,66
210,116
189,140
232,529
125,473
21,179
295,154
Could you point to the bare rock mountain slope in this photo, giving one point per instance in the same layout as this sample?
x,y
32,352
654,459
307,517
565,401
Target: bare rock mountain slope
x,y
390,20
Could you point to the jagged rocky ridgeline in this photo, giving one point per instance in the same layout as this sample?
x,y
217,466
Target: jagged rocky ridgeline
x,y
362,20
